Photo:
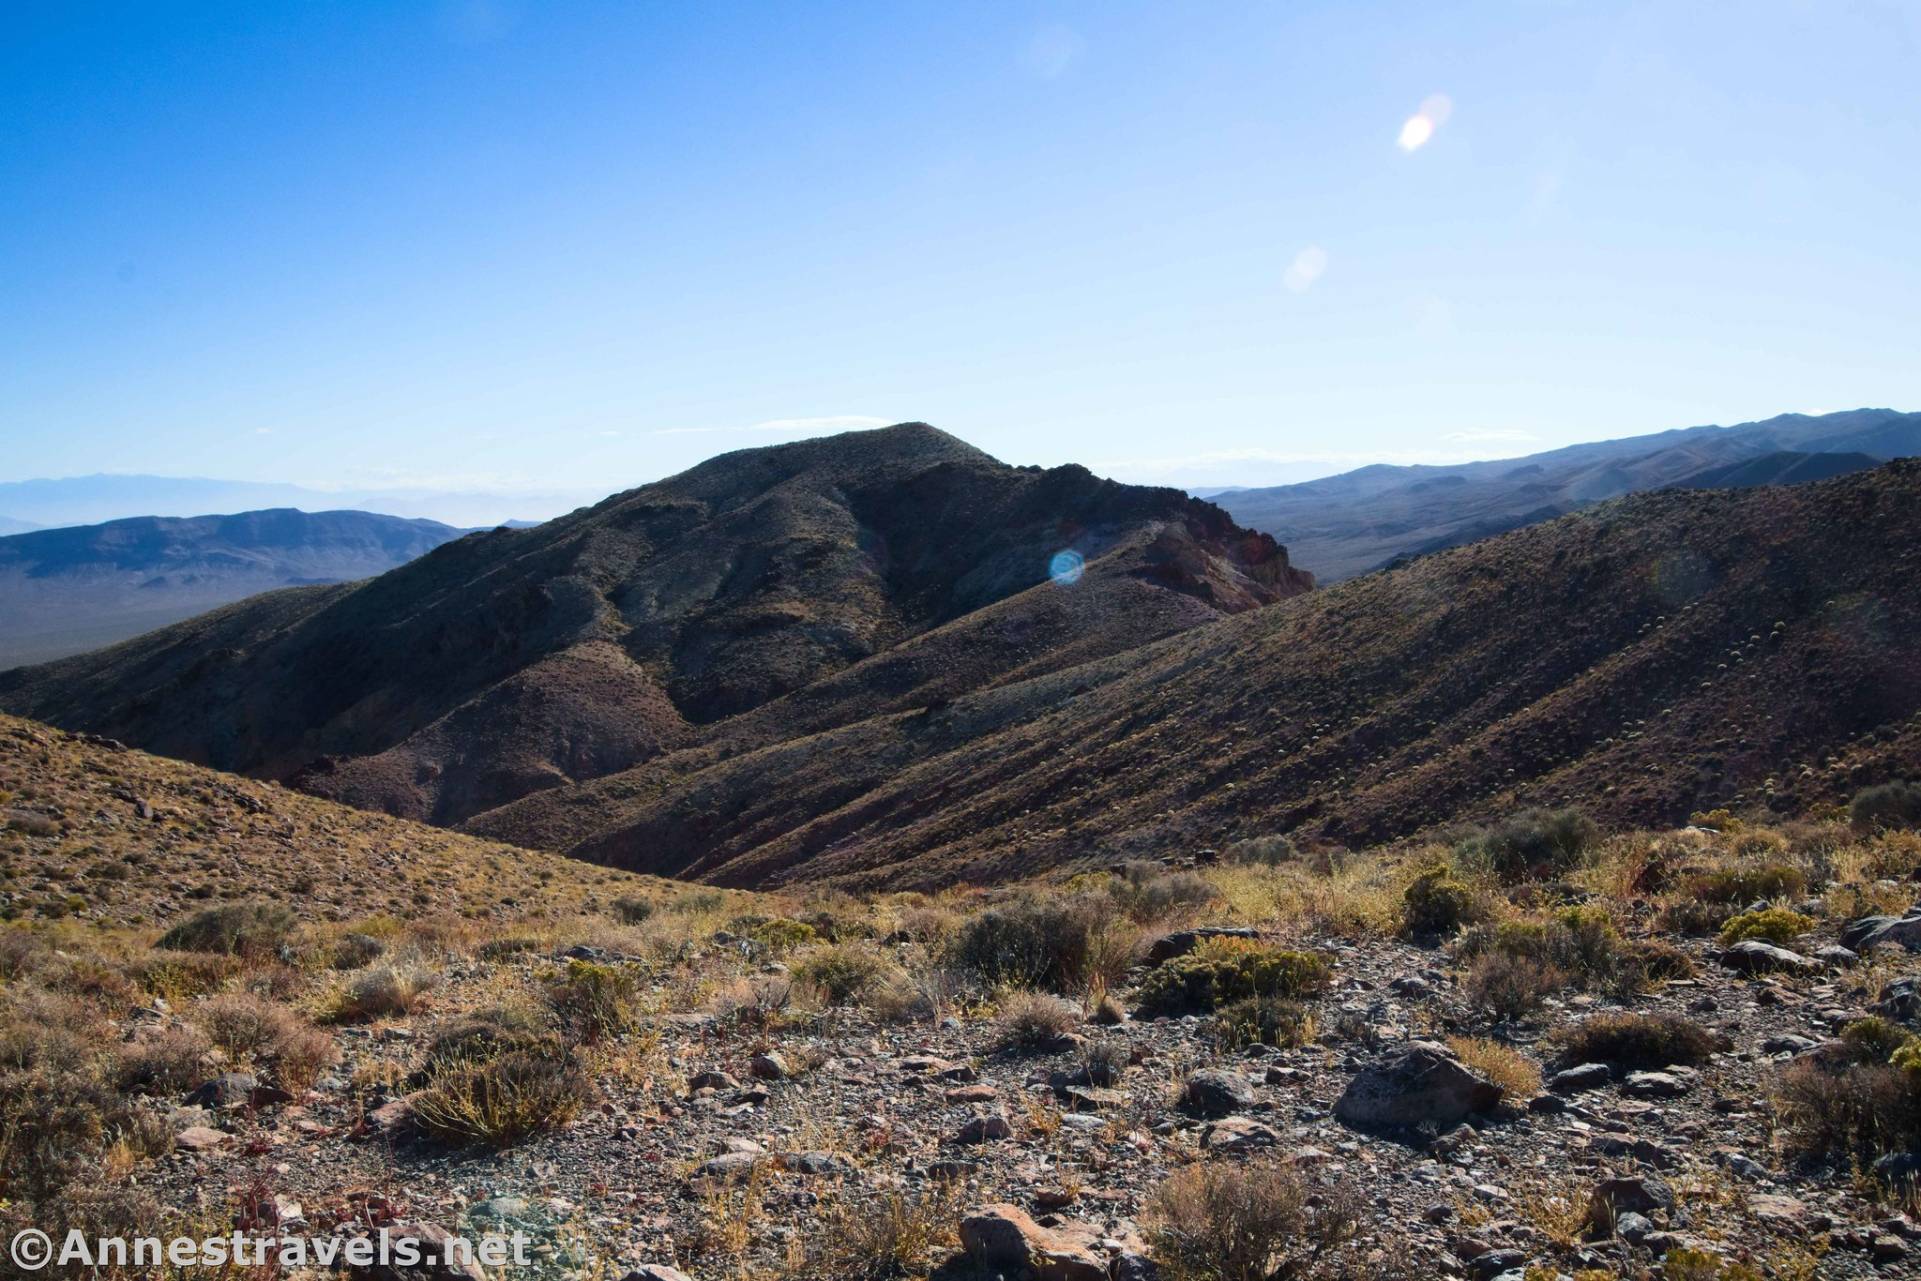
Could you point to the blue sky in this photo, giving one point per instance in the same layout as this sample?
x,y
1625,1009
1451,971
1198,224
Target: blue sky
x,y
535,247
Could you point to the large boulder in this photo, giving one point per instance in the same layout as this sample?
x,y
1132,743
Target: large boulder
x,y
1213,1092
1002,1238
1753,956
1418,1086
1872,931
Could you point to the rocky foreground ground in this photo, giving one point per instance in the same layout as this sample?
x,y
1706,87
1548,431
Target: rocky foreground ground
x,y
1525,1052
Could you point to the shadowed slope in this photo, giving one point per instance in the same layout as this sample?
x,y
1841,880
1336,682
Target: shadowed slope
x,y
1652,656
518,660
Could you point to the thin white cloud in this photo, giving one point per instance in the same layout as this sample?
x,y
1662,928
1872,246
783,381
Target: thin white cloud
x,y
1335,458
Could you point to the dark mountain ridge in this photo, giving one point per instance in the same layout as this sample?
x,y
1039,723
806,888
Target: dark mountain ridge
x,y
517,660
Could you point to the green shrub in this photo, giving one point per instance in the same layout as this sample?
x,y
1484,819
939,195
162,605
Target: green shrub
x,y
1874,1039
782,934
632,911
1062,944
1435,905
1224,970
234,929
1747,884
1886,805
596,1002
1264,851
846,973
1262,1020
1639,1041
500,1100
1533,843
1771,925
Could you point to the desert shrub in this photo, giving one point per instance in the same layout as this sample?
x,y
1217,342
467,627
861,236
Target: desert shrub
x,y
1104,1062
1747,884
1223,970
1638,1041
55,1125
1656,961
1060,944
243,1026
1517,1075
383,991
1035,1020
31,824
761,1002
782,934
355,951
1694,916
630,910
504,949
21,952
1874,1039
1849,1112
181,976
1508,985
1437,905
1771,925
233,929
697,902
1263,851
166,1061
880,1236
1262,1020
1513,965
1886,805
1532,843
502,1099
846,973
1157,897
1254,1221
596,1002
482,1035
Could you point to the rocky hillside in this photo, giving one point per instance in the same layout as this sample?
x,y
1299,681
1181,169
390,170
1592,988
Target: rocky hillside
x,y
521,660
1533,1051
1361,520
65,591
1650,657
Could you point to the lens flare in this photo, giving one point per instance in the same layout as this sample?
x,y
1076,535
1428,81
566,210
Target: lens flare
x,y
1420,127
1305,269
1066,568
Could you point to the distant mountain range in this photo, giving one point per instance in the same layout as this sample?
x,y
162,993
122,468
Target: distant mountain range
x,y
64,591
1349,524
840,577
89,500
886,658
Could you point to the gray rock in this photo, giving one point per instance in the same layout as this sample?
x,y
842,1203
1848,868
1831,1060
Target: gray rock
x,y
1643,1194
1899,1000
728,1165
1421,1084
1752,956
984,1129
1216,1093
1656,1085
1587,1076
228,1090
1236,1135
1874,931
656,1272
